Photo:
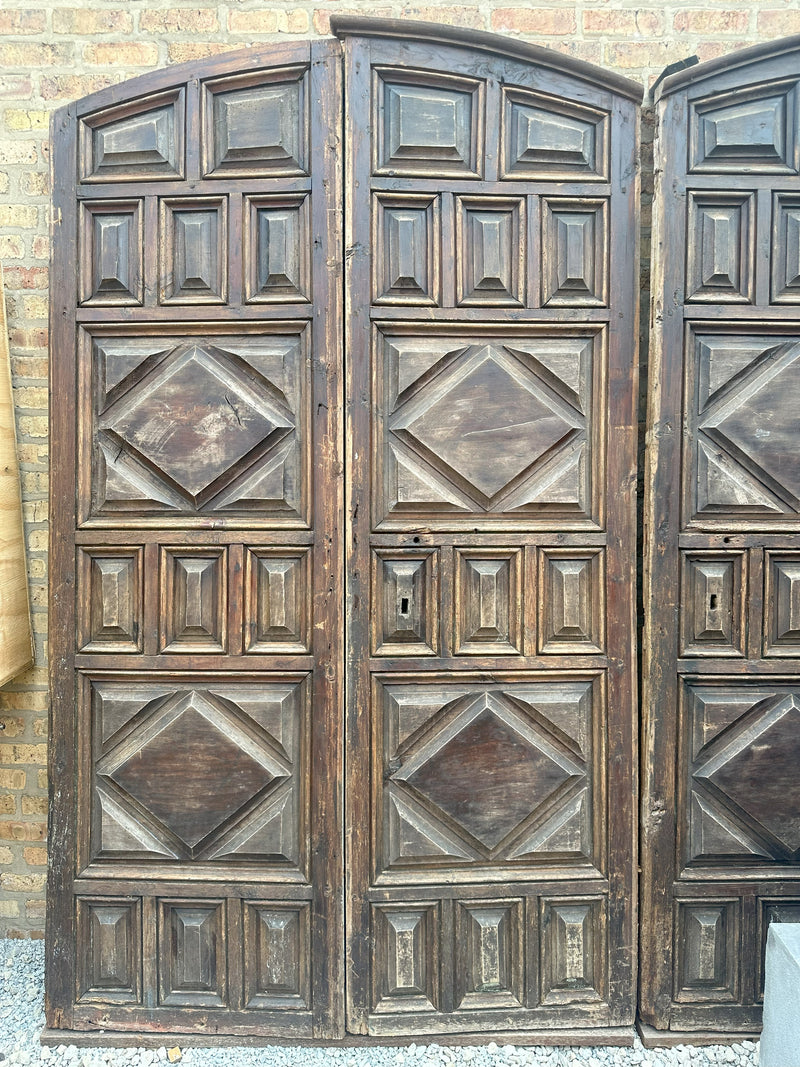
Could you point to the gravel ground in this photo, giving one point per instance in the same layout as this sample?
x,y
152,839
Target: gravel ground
x,y
22,1017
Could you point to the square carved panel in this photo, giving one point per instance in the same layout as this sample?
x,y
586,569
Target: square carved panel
x,y
193,250
194,600
491,251
407,265
547,138
276,249
112,253
574,252
721,248
110,599
489,598
277,600
109,936
405,602
139,141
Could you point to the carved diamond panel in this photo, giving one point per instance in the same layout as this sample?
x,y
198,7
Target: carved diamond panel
x,y
782,604
405,603
256,125
277,600
427,124
485,427
197,426
786,249
276,249
544,137
140,141
407,259
406,939
194,251
193,600
473,773
110,604
109,933
489,968
489,598
491,243
753,131
277,939
192,964
708,951
713,609
112,251
720,263
574,253
572,950
742,797
158,746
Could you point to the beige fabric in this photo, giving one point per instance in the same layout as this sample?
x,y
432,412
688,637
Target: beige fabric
x,y
16,640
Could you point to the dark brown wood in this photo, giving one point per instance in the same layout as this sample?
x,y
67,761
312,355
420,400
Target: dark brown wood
x,y
484,312
491,431
721,851
203,680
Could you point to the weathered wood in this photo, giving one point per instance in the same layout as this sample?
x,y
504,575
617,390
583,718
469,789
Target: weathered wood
x,y
16,639
720,748
491,431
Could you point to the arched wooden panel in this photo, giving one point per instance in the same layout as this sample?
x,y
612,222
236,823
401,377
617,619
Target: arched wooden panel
x,y
721,855
196,645
491,339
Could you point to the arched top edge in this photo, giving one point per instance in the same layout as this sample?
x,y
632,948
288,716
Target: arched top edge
x,y
163,79
684,79
404,30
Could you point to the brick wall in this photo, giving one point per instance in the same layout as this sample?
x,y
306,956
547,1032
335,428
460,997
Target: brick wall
x,y
52,52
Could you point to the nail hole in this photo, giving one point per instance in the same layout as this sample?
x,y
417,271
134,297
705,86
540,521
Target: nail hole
x,y
404,606
416,540
713,602
726,540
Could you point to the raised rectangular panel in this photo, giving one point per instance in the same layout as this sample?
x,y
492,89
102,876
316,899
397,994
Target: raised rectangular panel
x,y
109,958
490,251
489,954
720,256
405,603
277,947
751,131
571,600
193,599
192,957
544,137
427,124
140,141
574,252
256,125
712,604
407,262
276,249
771,910
277,600
707,950
572,949
111,253
110,600
782,604
488,602
786,249
406,963
194,251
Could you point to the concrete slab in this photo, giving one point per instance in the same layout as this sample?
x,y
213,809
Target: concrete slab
x,y
780,1039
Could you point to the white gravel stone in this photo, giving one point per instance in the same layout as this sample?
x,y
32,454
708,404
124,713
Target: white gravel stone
x,y
22,1018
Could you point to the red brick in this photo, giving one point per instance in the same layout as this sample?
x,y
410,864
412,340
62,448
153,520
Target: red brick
x,y
639,54
322,16
71,86
539,22
35,857
448,16
186,51
35,911
84,21
268,20
623,23
15,87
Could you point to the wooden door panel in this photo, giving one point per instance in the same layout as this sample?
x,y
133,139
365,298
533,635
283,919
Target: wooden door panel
x,y
204,515
721,522
484,872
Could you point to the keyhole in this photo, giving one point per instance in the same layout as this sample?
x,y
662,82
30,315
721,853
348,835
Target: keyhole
x,y
404,606
713,602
